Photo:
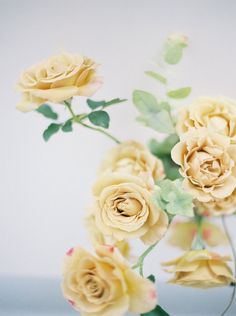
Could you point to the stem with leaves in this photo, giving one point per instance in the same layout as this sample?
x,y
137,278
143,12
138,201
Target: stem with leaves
x,y
78,120
234,258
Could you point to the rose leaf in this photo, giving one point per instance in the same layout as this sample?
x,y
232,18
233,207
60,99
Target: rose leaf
x,y
47,112
99,118
51,130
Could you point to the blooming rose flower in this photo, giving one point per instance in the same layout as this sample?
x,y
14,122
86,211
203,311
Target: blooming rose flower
x,y
104,285
218,207
133,158
98,238
201,269
124,209
207,161
217,114
183,234
57,79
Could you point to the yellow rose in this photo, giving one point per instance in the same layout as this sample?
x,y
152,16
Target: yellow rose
x,y
207,161
124,209
183,234
201,269
217,114
133,158
218,207
104,285
98,238
57,79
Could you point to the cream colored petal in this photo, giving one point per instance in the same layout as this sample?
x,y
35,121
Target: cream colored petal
x,y
177,153
56,95
226,189
142,293
29,103
157,231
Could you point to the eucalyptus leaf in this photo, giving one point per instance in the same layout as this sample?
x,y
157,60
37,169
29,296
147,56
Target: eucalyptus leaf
x,y
160,121
51,130
67,127
179,93
99,118
156,76
163,148
171,168
47,112
145,102
158,311
173,53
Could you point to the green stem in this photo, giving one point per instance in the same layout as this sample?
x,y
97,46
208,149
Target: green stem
x,y
100,131
140,262
79,121
198,243
234,257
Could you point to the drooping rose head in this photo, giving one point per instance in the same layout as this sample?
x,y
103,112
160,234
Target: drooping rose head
x,y
218,207
58,79
104,285
200,269
133,158
207,163
217,114
124,209
184,233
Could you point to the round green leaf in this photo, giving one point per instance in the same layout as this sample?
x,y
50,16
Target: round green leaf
x,y
99,118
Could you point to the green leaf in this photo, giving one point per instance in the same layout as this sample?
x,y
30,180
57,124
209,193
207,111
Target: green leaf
x,y
158,311
51,130
156,76
95,104
160,121
114,101
145,102
179,93
47,112
151,277
171,168
67,127
160,149
99,118
171,196
173,53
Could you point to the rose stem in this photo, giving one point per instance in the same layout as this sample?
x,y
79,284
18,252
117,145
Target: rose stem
x,y
88,126
139,264
234,257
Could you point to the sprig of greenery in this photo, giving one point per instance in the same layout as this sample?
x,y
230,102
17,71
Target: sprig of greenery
x,y
97,117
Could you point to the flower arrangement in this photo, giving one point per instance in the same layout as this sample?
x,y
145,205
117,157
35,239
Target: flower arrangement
x,y
139,191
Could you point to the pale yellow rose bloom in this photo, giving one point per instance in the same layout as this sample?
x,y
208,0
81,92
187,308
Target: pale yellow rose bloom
x,y
104,285
133,158
57,79
183,234
207,162
200,269
218,207
217,114
98,238
124,209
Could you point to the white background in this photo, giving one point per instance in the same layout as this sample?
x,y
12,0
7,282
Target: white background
x,y
45,187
